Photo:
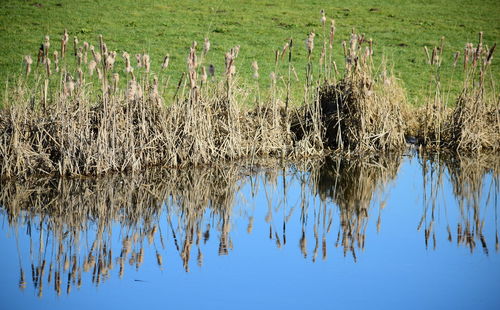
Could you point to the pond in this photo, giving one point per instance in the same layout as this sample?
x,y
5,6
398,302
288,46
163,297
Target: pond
x,y
412,231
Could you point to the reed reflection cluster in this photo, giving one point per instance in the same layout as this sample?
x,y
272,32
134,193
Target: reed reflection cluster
x,y
314,205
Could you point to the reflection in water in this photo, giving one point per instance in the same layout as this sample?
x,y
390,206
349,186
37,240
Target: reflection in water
x,y
472,191
69,223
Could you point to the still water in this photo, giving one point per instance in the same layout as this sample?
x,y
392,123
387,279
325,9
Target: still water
x,y
397,232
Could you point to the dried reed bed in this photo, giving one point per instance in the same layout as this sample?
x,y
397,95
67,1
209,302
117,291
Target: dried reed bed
x,y
470,123
474,194
366,109
100,112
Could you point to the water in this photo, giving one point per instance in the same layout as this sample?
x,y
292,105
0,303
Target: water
x,y
390,232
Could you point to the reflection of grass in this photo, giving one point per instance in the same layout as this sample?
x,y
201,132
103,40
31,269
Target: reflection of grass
x,y
400,29
187,207
473,194
178,211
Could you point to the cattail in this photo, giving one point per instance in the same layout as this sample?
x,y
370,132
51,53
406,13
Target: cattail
x,y
192,59
323,17
69,88
28,61
166,61
96,55
80,76
255,68
46,46
206,46
64,42
104,48
228,60
192,78
110,61
310,43
131,94
116,79
92,66
332,33
138,57
139,93
204,75
146,62
75,44
155,94
85,51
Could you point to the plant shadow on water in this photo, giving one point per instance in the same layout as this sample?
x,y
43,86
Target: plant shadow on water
x,y
67,224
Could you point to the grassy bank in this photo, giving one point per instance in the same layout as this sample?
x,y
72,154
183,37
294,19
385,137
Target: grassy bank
x,y
400,30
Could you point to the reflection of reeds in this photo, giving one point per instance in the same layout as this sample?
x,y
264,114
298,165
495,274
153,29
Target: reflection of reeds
x,y
467,176
66,210
352,184
69,222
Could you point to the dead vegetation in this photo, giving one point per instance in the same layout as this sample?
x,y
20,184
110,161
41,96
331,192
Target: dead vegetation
x,y
470,123
99,112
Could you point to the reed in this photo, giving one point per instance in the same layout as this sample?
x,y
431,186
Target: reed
x,y
61,118
471,123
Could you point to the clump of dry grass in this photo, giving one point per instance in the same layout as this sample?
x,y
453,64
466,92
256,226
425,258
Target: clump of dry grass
x,y
472,123
104,114
362,111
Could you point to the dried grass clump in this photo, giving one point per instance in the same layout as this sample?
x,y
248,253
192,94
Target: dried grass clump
x,y
472,124
75,128
364,111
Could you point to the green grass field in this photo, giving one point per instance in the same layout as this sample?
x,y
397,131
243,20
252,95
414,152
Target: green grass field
x,y
400,30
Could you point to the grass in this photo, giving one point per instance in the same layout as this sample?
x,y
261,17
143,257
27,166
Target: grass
x,y
400,30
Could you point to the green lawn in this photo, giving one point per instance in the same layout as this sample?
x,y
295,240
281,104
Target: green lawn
x,y
400,29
